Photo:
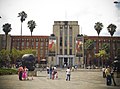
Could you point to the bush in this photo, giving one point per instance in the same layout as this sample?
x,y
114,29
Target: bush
x,y
4,71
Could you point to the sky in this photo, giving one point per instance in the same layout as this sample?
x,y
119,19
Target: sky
x,y
45,12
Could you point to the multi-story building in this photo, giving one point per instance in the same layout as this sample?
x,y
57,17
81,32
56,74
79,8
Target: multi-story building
x,y
38,43
65,33
113,42
64,47
3,42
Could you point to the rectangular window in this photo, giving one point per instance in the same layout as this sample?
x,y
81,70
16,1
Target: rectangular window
x,y
70,52
27,43
70,41
22,44
36,44
60,41
65,41
65,51
60,51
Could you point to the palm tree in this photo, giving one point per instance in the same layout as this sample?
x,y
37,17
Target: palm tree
x,y
111,29
98,27
31,25
6,28
22,16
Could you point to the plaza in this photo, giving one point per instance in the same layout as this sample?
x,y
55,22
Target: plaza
x,y
80,79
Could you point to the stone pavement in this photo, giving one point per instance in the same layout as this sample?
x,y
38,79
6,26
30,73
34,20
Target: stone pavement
x,y
80,79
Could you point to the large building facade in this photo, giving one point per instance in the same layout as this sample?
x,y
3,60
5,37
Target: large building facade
x,y
37,43
65,33
64,47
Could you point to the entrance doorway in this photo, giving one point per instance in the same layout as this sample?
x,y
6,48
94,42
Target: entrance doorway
x,y
66,61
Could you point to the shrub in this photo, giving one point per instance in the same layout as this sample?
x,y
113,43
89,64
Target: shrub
x,y
4,71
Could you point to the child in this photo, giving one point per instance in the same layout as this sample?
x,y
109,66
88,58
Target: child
x,y
24,75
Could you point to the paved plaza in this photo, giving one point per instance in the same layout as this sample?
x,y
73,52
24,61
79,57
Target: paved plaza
x,y
80,79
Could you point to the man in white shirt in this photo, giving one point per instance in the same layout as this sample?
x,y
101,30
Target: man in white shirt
x,y
68,73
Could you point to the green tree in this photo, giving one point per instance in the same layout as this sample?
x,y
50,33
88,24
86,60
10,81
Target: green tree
x,y
103,55
4,56
106,47
89,47
6,28
22,16
14,55
31,25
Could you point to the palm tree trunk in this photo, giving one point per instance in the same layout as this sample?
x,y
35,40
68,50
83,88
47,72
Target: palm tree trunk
x,y
6,42
111,47
21,28
31,33
21,38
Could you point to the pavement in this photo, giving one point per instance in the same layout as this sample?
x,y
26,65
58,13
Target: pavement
x,y
80,79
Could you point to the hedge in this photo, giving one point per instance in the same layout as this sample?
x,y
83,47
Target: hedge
x,y
7,71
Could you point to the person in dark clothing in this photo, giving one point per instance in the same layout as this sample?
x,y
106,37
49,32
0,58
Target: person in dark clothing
x,y
20,70
112,76
50,72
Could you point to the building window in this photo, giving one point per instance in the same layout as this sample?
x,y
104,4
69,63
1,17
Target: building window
x,y
42,44
70,39
70,52
32,44
60,51
65,51
65,41
27,44
36,40
22,44
60,41
36,44
65,31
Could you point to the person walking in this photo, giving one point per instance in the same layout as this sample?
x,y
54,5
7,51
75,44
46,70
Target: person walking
x,y
103,71
50,73
108,76
20,70
112,76
68,73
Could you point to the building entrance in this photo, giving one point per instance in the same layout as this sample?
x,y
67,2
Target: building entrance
x,y
65,61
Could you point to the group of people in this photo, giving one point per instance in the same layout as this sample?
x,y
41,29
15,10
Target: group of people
x,y
53,73
23,73
108,73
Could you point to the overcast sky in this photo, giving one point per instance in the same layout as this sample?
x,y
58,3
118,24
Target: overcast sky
x,y
45,12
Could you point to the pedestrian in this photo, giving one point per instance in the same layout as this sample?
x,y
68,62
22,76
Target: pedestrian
x,y
53,73
112,76
24,74
50,73
103,71
68,73
20,70
108,76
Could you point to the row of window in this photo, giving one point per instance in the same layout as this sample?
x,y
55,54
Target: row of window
x,y
32,39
